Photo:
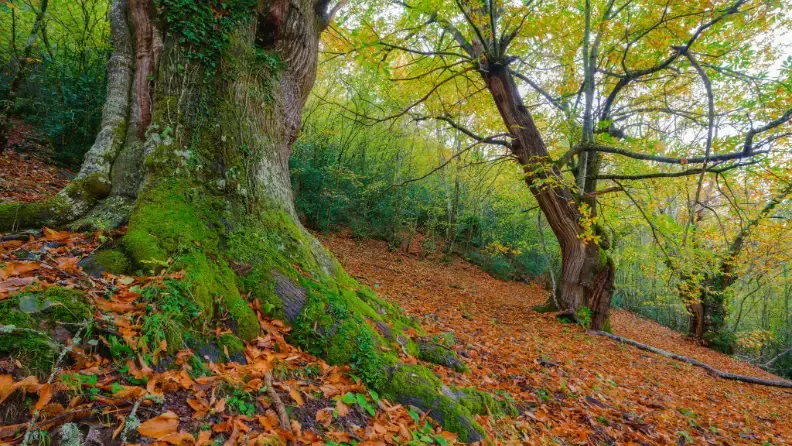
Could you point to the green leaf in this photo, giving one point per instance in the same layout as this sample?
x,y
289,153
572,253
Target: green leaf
x,y
374,395
361,399
415,416
349,398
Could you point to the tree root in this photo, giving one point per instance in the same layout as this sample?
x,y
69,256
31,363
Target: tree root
x,y
713,371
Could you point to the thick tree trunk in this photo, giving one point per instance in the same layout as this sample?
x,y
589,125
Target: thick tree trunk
x,y
195,144
587,272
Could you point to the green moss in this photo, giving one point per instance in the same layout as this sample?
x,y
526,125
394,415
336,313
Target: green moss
x,y
482,403
113,261
25,342
417,386
158,326
47,307
438,354
90,188
65,305
333,327
36,351
172,220
547,307
28,215
230,345
10,314
169,219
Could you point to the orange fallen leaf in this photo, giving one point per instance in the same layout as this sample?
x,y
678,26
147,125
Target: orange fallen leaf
x,y
18,268
295,394
55,236
325,416
45,395
160,426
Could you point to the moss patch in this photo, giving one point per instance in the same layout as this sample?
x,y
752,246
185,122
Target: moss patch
x,y
482,403
28,316
438,354
175,221
112,260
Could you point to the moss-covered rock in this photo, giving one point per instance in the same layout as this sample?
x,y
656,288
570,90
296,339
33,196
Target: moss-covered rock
x,y
46,308
112,260
418,386
232,347
438,354
27,319
34,350
482,403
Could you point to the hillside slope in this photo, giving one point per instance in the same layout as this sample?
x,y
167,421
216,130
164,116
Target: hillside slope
x,y
570,387
577,388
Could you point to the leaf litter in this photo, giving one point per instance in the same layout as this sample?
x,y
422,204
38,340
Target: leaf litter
x,y
571,387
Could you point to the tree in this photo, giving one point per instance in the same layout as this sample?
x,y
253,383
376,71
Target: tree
x,y
7,107
607,72
204,101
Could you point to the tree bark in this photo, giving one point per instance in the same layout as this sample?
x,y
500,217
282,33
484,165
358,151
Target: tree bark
x,y
587,272
194,151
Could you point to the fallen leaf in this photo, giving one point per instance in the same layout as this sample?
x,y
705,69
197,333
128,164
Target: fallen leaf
x,y
160,426
45,395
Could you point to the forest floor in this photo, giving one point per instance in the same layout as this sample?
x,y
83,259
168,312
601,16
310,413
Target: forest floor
x,y
571,387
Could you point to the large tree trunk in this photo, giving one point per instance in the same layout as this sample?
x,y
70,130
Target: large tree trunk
x,y
587,271
194,148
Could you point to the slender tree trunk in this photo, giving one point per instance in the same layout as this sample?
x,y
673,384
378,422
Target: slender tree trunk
x,y
8,106
587,272
194,151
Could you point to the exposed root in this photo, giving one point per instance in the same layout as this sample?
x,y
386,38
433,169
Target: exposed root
x,y
710,369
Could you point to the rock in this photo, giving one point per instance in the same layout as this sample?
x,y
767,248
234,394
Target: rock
x,y
210,352
438,354
90,267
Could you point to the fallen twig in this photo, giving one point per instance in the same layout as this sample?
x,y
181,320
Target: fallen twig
x,y
712,370
279,407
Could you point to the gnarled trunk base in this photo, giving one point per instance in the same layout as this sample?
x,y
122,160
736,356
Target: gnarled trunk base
x,y
197,155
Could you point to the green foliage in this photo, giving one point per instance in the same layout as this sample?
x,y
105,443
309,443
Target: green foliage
x,y
81,384
583,316
362,402
205,27
171,317
350,176
241,402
